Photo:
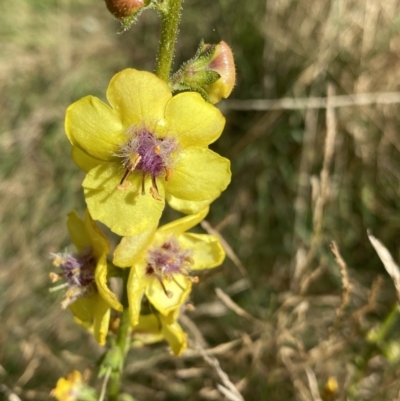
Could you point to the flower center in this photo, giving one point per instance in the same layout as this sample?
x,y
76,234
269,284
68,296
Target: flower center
x,y
151,155
164,261
78,270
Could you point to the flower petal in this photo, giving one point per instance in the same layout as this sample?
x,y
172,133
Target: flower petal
x,y
101,282
176,337
179,226
83,160
93,313
125,212
101,320
179,289
207,250
186,206
200,175
98,240
136,288
129,249
77,232
95,128
193,120
138,97
83,309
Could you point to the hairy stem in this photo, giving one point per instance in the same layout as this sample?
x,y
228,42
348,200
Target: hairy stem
x,y
169,30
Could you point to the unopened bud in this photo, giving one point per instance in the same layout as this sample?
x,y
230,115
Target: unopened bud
x,y
125,10
211,72
222,62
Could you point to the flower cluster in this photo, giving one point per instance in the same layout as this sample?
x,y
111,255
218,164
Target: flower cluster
x,y
145,148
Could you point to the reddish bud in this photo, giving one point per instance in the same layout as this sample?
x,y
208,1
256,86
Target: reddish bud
x,y
123,9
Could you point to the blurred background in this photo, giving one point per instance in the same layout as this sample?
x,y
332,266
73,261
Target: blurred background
x,y
285,318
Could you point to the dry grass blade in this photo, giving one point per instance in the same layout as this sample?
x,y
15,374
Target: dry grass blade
x,y
362,99
312,382
227,300
228,389
347,287
229,251
386,258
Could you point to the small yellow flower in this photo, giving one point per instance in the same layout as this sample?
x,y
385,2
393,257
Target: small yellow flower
x,y
146,147
154,328
162,261
85,273
69,388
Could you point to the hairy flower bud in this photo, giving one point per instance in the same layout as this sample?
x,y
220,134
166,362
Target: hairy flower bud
x,y
211,72
222,62
125,10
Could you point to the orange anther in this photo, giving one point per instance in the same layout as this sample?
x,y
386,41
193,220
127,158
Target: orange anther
x,y
154,193
168,174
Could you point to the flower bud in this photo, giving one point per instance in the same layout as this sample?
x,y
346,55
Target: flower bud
x,y
125,10
211,72
222,62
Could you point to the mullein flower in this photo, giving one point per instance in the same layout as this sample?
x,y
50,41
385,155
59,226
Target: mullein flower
x,y
161,264
146,147
85,275
73,388
154,327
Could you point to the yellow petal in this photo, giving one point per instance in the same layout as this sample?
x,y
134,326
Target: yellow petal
x,y
193,120
95,128
128,250
83,309
101,282
200,175
77,232
185,206
164,304
101,320
93,313
83,160
148,324
126,212
207,250
138,97
179,226
136,288
148,331
98,240
176,337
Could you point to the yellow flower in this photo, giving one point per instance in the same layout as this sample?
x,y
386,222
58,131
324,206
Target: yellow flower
x,y
154,328
146,147
87,295
162,261
68,389
73,388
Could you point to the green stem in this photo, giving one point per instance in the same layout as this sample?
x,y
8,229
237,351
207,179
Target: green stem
x,y
122,342
169,30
